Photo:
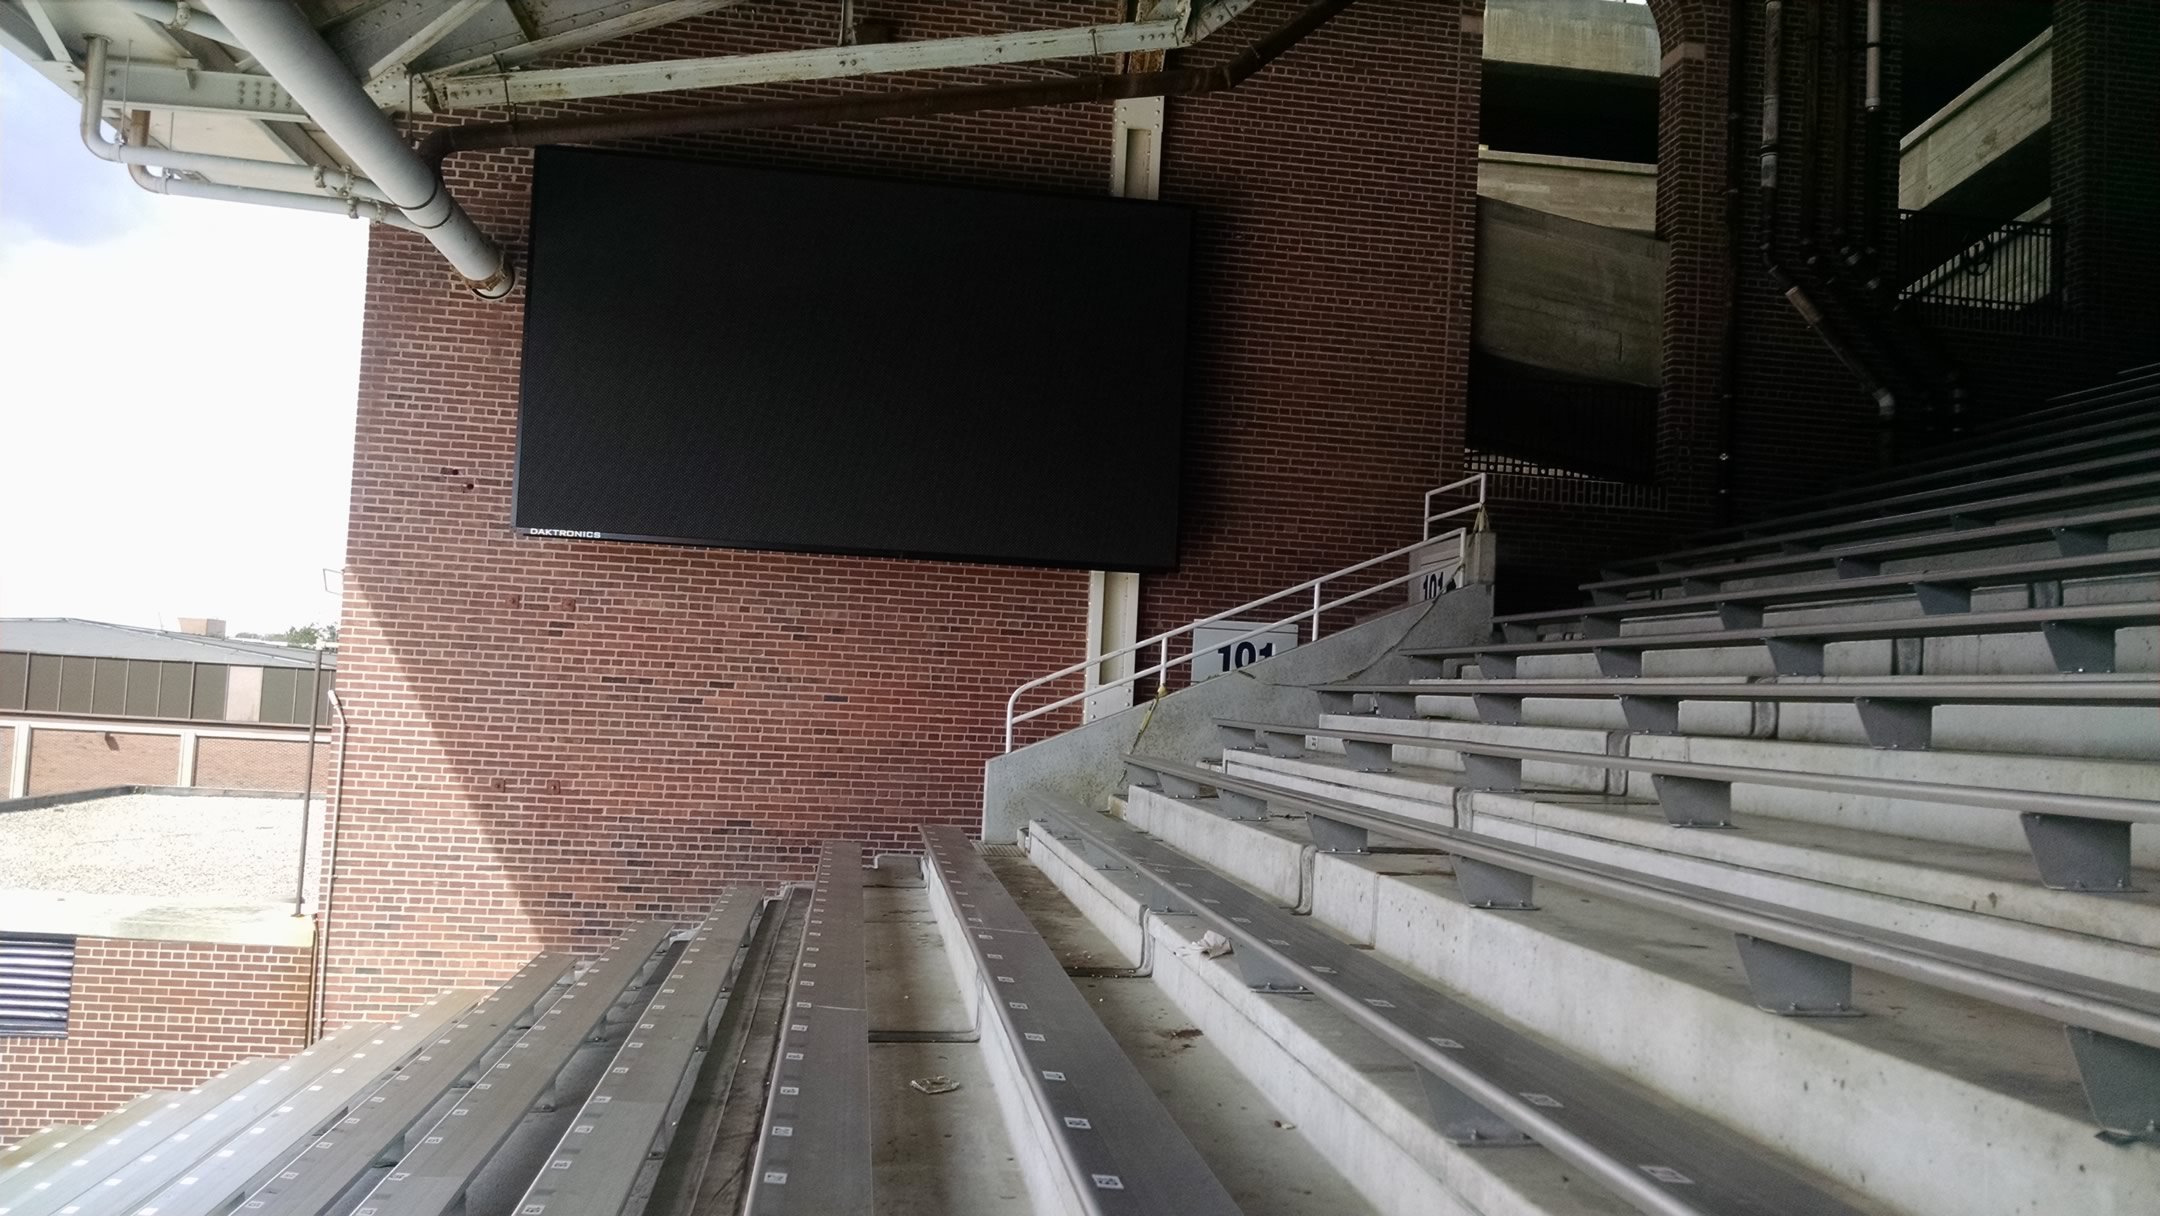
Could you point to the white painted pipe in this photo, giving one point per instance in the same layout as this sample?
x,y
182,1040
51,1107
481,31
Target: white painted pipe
x,y
381,213
187,17
1874,55
301,179
278,35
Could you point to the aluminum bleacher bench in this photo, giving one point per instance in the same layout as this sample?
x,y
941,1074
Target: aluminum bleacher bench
x,y
1797,963
1119,1150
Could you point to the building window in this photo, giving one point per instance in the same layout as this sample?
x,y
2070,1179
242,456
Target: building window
x,y
37,977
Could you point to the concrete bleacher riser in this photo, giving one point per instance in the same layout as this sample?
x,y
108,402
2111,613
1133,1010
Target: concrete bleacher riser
x,y
1898,1112
1348,1094
2129,778
1998,913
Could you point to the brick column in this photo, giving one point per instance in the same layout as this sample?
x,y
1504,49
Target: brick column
x,y
2106,169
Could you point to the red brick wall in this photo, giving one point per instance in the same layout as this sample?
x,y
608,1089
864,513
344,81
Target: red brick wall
x,y
551,737
65,760
1336,203
153,1015
262,764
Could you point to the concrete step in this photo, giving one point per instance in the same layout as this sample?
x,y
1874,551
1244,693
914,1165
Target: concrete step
x,y
1257,1150
1980,899
1353,1097
1949,824
1932,1104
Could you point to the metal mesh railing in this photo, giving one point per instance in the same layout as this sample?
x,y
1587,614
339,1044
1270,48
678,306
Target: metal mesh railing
x,y
1968,272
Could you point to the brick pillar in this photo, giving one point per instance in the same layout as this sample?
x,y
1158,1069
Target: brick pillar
x,y
2106,128
1691,215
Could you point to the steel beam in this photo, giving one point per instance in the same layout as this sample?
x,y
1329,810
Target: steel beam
x,y
150,86
824,63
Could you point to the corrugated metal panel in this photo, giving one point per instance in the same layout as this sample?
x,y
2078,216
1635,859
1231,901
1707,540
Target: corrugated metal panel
x,y
37,975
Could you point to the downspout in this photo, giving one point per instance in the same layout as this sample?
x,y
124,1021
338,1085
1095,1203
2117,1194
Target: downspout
x,y
281,40
1773,78
1872,142
907,103
318,984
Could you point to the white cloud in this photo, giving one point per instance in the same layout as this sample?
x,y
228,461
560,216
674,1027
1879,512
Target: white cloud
x,y
176,407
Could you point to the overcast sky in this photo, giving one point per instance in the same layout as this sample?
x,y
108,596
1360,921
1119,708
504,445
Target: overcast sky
x,y
176,389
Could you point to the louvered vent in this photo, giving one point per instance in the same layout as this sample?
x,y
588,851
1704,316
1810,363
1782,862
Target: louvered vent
x,y
37,973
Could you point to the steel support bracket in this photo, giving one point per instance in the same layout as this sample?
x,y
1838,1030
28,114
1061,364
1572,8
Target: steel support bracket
x,y
1619,662
1942,599
1283,744
1497,709
1595,625
1396,704
1501,774
1236,804
2077,854
1180,787
1740,616
1511,632
2080,647
1142,778
1238,738
1496,666
1895,724
1858,567
1370,757
1332,702
1796,656
1497,888
2080,542
1464,1120
1335,836
1796,983
2122,1082
1651,715
1691,802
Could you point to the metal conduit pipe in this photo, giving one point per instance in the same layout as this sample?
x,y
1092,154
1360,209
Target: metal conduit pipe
x,y
1767,155
298,179
696,120
1874,55
281,40
178,187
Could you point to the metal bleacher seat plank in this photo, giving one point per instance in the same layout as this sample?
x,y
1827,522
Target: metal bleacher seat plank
x,y
1965,468
373,1133
1952,515
2081,841
1485,1079
116,1182
625,1125
431,1179
2114,1030
1123,1153
2080,636
222,1178
1944,590
1894,710
2074,533
2117,465
38,1157
813,1154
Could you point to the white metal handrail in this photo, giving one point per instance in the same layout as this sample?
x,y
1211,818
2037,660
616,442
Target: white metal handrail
x,y
1161,641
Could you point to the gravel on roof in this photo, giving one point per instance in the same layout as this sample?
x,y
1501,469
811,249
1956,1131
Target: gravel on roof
x,y
193,847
